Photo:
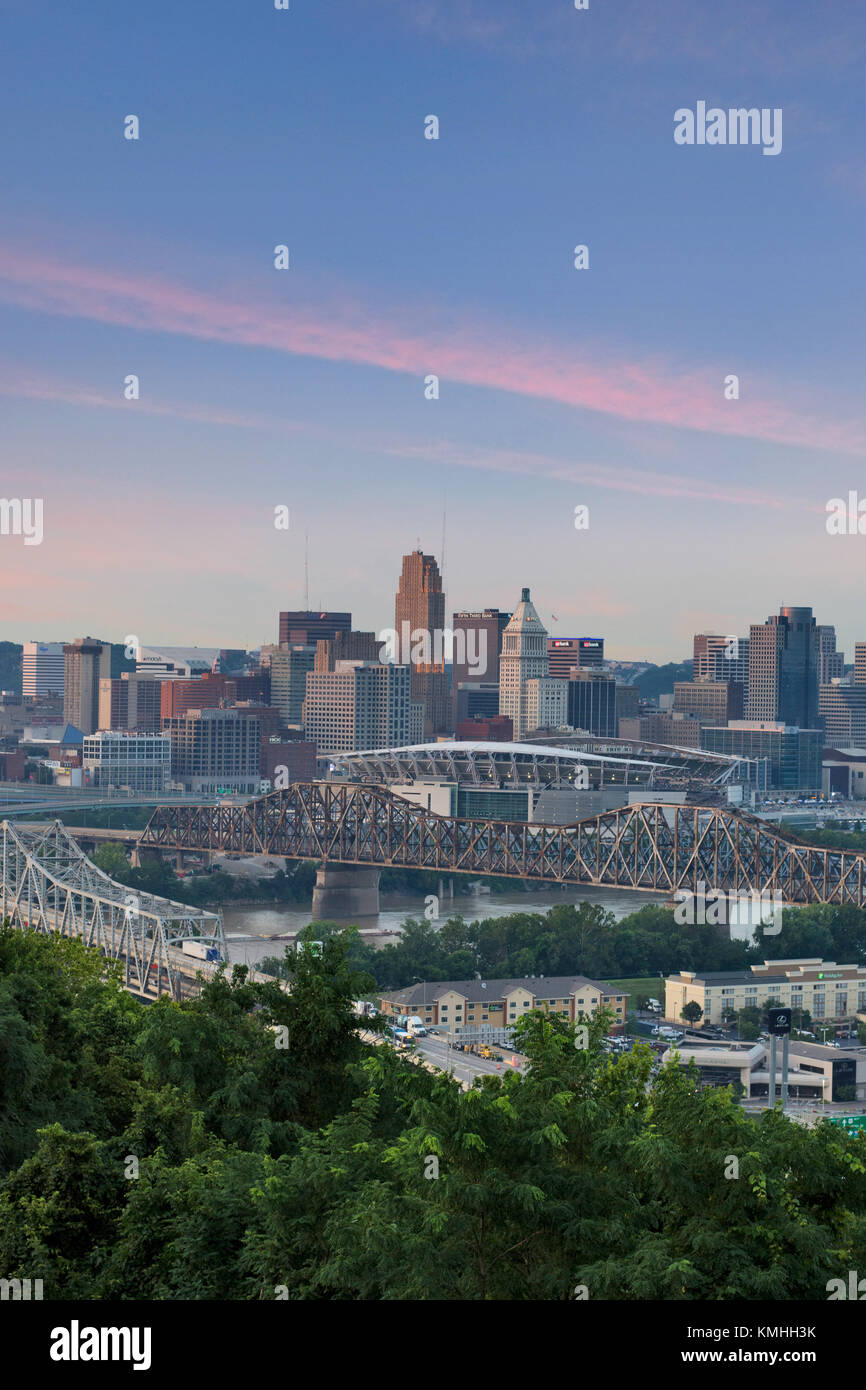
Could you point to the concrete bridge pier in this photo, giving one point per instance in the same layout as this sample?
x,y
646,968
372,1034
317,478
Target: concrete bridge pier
x,y
345,891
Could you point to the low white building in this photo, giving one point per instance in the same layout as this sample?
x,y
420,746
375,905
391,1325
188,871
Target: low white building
x,y
141,762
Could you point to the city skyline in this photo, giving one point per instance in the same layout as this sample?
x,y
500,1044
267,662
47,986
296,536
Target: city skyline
x,y
305,389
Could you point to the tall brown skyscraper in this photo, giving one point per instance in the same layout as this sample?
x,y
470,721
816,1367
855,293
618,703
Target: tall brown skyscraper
x,y
87,661
420,608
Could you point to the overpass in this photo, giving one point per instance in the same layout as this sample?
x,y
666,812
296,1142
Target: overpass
x,y
47,884
355,829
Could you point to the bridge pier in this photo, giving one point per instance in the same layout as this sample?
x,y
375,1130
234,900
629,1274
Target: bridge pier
x,y
345,891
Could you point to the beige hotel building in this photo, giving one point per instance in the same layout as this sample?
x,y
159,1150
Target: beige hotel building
x,y
827,990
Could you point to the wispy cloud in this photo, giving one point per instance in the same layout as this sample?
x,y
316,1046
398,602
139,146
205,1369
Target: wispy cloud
x,y
494,356
606,475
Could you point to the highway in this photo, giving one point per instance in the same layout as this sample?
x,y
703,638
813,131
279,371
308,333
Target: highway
x,y
465,1065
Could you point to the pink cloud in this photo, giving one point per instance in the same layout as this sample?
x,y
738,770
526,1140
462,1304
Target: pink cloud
x,y
492,356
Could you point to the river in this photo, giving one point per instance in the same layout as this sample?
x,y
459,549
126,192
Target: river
x,y
248,928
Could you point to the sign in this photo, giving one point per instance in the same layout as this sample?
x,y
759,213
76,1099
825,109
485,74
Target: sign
x,y
853,1123
780,1022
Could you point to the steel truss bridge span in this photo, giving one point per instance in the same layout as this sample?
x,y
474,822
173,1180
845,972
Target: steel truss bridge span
x,y
47,884
650,846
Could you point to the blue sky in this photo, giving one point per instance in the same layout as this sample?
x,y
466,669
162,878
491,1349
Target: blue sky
x,y
558,387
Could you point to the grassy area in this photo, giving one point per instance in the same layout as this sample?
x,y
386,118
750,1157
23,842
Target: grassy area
x,y
651,986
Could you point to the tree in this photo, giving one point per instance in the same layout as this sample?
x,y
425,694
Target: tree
x,y
691,1011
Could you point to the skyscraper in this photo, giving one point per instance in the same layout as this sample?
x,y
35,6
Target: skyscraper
x,y
86,661
722,658
289,670
831,664
567,653
42,669
361,706
476,653
419,608
523,658
783,669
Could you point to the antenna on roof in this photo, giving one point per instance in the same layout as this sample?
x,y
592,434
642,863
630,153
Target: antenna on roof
x,y
306,571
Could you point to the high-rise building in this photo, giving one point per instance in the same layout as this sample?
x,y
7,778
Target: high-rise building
x,y
304,629
860,663
565,653
476,652
290,667
130,701
713,702
523,658
419,615
215,748
674,730
86,661
627,702
831,664
475,700
721,658
546,703
141,762
361,706
43,668
843,709
592,702
203,692
346,646
783,669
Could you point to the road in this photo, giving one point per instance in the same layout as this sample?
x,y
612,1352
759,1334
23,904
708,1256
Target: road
x,y
465,1065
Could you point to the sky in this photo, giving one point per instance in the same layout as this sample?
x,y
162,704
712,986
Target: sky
x,y
262,388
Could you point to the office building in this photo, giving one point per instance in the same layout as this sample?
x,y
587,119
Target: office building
x,y
475,700
523,658
477,644
290,667
860,663
130,701
135,761
86,661
285,763
546,703
563,653
843,710
43,669
831,664
592,701
346,646
712,702
215,749
721,658
419,615
361,705
783,669
207,691
676,730
793,755
627,702
496,729
302,628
